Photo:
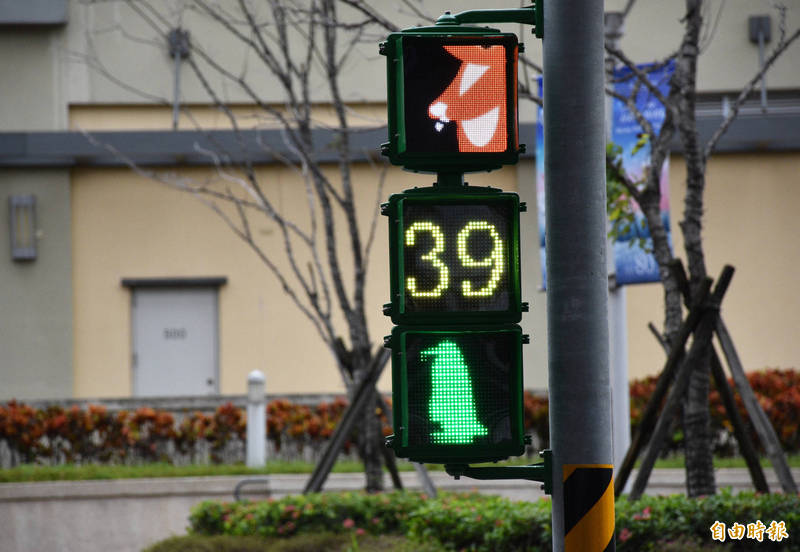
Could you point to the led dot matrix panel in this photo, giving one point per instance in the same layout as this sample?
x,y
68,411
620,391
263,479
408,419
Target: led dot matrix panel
x,y
452,97
457,393
454,257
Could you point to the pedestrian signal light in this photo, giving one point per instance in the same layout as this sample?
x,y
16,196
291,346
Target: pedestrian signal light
x,y
457,393
452,98
454,256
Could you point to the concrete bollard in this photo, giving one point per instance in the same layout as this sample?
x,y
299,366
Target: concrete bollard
x,y
256,420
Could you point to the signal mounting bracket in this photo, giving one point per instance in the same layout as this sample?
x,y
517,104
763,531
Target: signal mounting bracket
x,y
542,471
529,15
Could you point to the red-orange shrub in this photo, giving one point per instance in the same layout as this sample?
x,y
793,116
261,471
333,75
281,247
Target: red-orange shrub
x,y
56,435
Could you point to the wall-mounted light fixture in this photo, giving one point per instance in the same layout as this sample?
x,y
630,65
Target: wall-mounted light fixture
x,y
22,222
179,48
760,32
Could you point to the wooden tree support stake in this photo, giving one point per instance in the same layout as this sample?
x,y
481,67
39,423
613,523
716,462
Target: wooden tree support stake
x,y
757,415
388,455
362,396
360,400
761,423
650,415
704,320
746,446
702,338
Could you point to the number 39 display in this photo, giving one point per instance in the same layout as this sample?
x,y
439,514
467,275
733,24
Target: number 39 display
x,y
454,254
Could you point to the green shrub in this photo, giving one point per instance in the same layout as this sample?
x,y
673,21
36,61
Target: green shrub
x,y
640,524
477,522
327,542
218,543
328,512
474,522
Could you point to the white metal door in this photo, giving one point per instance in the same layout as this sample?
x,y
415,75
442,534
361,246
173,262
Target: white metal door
x,y
174,341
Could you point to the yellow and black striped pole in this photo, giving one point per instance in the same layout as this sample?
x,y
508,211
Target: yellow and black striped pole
x,y
588,508
577,283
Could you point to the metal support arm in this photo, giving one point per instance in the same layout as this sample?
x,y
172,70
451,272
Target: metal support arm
x,y
529,15
542,472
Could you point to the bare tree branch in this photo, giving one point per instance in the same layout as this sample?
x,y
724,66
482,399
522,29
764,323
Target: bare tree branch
x,y
425,16
740,100
173,181
372,14
640,75
376,213
630,103
526,62
329,34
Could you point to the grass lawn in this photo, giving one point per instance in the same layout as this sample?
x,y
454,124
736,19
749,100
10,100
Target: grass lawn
x,y
29,472
74,472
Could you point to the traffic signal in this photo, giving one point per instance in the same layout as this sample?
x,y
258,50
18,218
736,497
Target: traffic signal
x,y
454,256
454,249
452,97
457,393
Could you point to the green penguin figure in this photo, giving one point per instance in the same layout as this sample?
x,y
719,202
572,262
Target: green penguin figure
x,y
452,404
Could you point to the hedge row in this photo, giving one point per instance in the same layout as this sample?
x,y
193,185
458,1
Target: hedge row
x,y
486,523
778,392
55,435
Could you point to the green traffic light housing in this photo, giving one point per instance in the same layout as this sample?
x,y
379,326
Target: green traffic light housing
x,y
454,249
452,98
457,393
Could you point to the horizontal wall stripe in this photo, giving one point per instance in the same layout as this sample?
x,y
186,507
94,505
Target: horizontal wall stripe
x,y
34,12
749,133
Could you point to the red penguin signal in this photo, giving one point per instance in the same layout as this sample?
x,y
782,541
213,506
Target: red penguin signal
x,y
476,99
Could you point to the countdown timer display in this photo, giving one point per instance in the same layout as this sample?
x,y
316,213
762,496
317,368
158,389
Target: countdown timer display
x,y
458,393
455,257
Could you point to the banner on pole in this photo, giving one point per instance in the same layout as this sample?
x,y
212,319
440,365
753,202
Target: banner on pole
x,y
633,259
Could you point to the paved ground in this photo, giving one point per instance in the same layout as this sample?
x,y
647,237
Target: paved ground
x,y
662,482
127,515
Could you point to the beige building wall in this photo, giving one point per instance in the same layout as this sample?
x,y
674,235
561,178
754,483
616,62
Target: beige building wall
x,y
126,49
749,223
35,349
728,59
126,226
169,233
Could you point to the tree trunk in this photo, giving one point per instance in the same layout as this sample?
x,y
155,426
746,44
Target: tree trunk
x,y
697,426
673,313
369,431
370,438
696,418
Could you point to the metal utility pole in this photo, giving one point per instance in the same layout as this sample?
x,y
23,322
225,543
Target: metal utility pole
x,y
577,284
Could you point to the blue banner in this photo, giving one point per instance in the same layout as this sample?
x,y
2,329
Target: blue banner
x,y
634,264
